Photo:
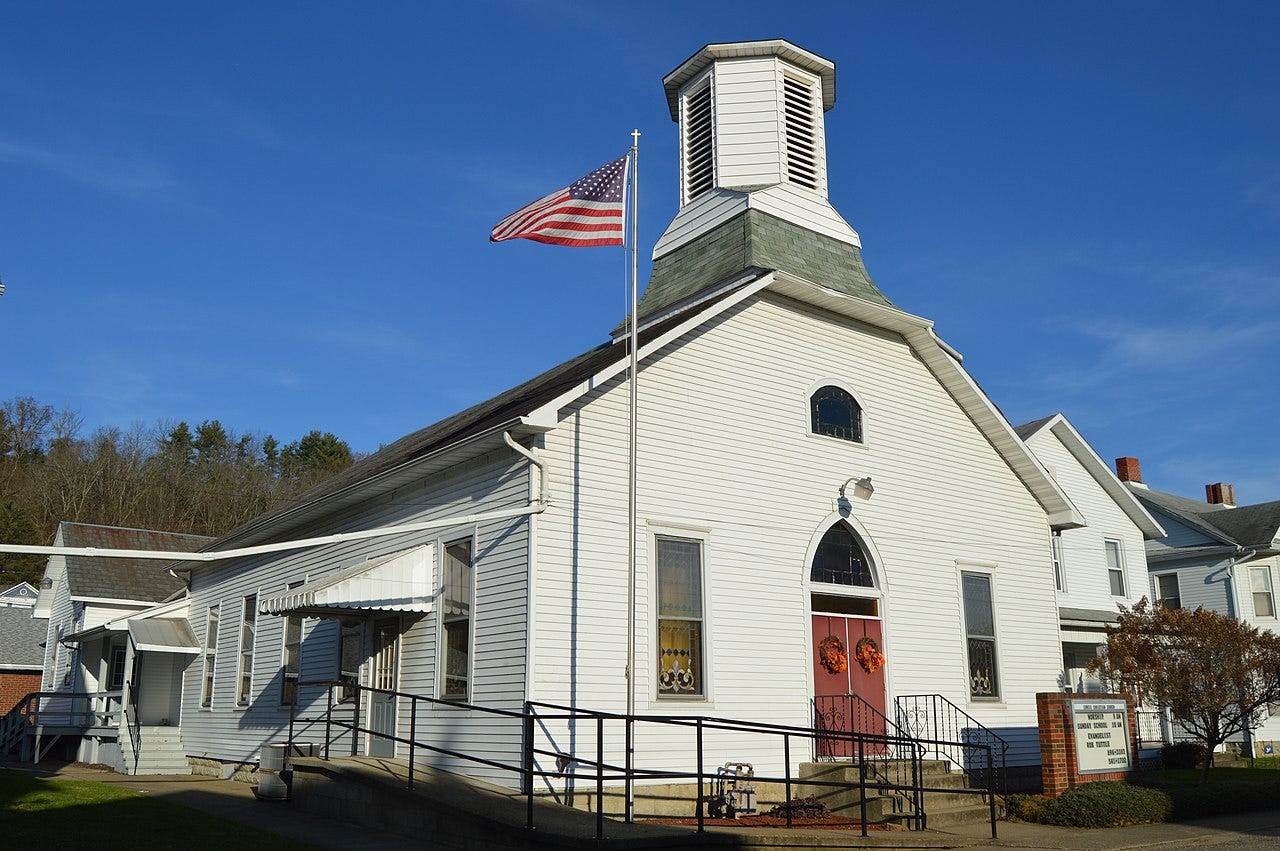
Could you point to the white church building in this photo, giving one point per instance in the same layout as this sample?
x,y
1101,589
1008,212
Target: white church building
x,y
822,488
813,462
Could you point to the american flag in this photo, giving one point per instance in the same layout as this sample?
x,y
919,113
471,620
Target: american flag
x,y
586,212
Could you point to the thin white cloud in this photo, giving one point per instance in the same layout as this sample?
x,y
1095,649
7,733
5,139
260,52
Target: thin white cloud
x,y
131,176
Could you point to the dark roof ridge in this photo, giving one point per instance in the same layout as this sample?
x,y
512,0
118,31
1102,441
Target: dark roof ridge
x,y
130,529
516,401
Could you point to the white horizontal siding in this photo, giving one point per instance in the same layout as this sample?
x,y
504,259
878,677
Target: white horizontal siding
x,y
724,446
747,122
501,547
1180,535
1088,584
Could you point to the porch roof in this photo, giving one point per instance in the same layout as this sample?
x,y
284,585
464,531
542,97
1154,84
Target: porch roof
x,y
163,635
398,582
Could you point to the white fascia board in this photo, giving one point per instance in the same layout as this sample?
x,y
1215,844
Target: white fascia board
x,y
1101,472
551,409
1026,466
112,601
7,666
944,362
175,609
529,421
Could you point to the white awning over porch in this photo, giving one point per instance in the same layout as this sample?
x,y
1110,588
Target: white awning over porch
x,y
163,635
399,582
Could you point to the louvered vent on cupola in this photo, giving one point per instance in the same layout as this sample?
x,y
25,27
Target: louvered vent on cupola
x,y
699,141
801,126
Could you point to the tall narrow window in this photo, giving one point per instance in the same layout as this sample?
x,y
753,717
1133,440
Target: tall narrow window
x,y
115,673
699,142
1115,567
840,560
350,649
1055,543
244,667
291,658
835,413
678,563
456,616
980,632
801,132
1168,595
210,655
1264,602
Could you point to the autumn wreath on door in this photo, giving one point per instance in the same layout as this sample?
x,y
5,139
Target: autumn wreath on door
x,y
868,654
832,655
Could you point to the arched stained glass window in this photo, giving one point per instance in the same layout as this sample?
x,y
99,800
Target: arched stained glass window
x,y
840,560
835,413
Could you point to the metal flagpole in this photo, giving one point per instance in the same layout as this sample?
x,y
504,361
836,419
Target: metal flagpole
x,y
631,479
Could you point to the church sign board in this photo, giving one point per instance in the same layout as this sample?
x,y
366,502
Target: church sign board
x,y
1101,736
1085,738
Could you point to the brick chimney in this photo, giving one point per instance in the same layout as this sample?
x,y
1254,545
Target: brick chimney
x,y
1220,494
1128,470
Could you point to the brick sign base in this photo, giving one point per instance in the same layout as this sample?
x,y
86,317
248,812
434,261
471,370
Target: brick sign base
x,y
1058,767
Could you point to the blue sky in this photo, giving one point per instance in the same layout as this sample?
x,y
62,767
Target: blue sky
x,y
277,214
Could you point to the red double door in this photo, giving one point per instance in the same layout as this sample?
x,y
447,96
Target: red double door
x,y
834,710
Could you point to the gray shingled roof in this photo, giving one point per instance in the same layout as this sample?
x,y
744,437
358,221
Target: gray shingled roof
x,y
518,401
124,578
21,637
1025,430
1253,526
1249,525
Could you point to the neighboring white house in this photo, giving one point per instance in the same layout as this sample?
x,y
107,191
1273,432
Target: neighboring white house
x,y
1218,555
1101,566
813,462
94,651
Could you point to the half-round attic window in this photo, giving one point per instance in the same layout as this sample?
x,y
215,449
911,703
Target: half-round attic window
x,y
835,413
840,560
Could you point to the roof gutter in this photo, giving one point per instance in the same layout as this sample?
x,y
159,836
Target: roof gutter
x,y
191,559
510,424
187,561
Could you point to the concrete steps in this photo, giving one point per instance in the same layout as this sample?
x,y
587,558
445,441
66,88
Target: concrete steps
x,y
160,751
943,808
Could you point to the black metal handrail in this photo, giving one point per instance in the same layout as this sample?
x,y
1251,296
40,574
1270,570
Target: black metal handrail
x,y
901,765
529,769
957,737
133,721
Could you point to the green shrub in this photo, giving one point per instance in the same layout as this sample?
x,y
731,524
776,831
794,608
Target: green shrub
x,y
1025,807
801,808
1267,762
1103,804
1183,755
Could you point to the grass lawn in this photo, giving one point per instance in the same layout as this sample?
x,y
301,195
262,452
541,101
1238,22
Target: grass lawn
x,y
1229,790
41,812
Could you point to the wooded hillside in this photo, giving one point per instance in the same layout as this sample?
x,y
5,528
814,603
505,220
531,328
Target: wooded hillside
x,y
204,480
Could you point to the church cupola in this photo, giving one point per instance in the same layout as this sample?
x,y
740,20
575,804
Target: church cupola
x,y
751,114
753,178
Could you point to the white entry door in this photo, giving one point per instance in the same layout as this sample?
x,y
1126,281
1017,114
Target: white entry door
x,y
386,667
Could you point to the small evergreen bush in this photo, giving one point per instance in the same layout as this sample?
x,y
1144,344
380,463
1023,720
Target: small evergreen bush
x,y
1183,755
1103,804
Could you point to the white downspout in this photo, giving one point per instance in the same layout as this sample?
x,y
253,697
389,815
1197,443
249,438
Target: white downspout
x,y
538,492
1241,555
